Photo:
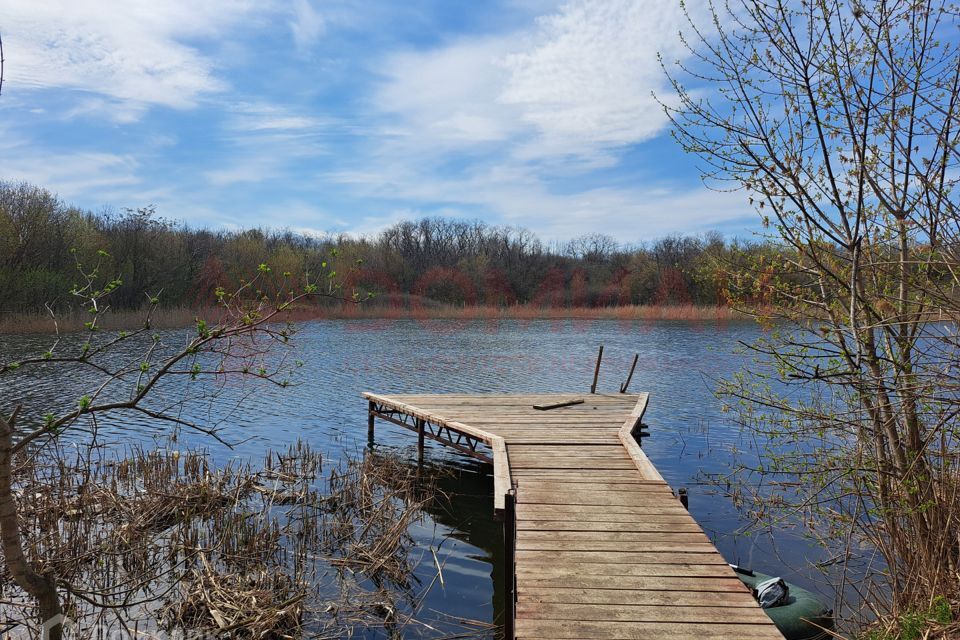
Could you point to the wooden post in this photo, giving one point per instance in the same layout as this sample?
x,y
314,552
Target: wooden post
x,y
510,570
623,388
596,372
420,436
371,418
684,498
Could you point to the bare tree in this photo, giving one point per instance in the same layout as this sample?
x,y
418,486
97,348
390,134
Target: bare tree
x,y
3,63
123,372
840,120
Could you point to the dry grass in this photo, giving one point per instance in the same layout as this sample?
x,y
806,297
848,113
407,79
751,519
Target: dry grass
x,y
37,323
164,541
407,307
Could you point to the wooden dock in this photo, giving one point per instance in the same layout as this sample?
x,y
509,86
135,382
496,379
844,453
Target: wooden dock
x,y
597,543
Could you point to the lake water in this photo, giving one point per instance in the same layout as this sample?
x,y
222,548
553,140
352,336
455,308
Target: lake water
x,y
690,437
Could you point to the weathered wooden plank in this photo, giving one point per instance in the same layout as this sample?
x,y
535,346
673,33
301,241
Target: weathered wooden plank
x,y
553,438
550,406
644,465
416,412
663,524
613,536
555,481
654,596
556,439
572,463
588,475
612,448
534,483
501,472
472,398
560,496
547,433
593,513
662,546
645,556
615,630
645,492
639,613
532,459
570,569
640,583
548,479
497,420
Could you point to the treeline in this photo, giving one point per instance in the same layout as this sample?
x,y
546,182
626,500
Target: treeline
x,y
449,261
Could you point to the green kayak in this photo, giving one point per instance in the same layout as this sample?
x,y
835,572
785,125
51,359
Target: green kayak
x,y
794,617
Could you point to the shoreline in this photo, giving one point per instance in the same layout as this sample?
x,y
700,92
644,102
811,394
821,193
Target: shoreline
x,y
180,317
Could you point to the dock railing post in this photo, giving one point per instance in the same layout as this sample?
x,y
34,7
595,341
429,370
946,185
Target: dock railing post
x,y
596,371
510,570
623,387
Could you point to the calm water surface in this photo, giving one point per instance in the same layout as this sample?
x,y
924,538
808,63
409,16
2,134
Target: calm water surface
x,y
678,362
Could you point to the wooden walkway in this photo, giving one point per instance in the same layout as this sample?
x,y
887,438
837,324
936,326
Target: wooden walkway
x,y
601,547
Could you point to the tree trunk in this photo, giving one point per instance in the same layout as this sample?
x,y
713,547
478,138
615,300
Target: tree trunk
x,y
42,588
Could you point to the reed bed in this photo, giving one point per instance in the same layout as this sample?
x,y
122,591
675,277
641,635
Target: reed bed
x,y
160,542
407,307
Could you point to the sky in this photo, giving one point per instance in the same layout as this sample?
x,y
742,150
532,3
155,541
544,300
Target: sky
x,y
334,116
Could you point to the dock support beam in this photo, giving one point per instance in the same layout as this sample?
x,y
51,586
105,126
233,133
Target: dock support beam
x,y
371,419
510,570
421,424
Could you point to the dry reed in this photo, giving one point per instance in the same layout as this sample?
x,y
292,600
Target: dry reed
x,y
165,541
409,307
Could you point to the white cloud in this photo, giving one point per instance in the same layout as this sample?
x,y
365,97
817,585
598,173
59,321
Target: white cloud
x,y
584,78
248,171
133,52
447,96
578,83
265,117
265,141
118,111
307,24
71,175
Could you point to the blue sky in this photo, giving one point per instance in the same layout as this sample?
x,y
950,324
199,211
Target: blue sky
x,y
341,116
